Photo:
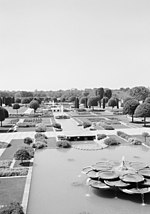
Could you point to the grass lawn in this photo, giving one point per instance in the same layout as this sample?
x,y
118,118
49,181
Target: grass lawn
x,y
13,111
122,141
9,152
24,164
11,190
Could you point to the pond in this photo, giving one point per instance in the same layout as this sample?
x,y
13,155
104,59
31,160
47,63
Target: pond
x,y
59,187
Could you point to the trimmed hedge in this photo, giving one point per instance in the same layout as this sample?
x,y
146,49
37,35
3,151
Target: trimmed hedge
x,y
12,208
39,145
63,144
5,163
7,172
123,135
107,127
86,124
111,141
101,136
40,128
28,140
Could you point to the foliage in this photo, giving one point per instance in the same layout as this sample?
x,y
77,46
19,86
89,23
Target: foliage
x,y
2,114
40,128
130,106
25,101
29,149
86,124
111,141
34,104
145,135
39,136
139,92
5,163
77,102
56,125
123,135
143,110
134,141
101,136
63,144
108,93
112,102
17,100
22,154
92,101
16,106
62,117
107,127
147,100
6,172
4,144
12,208
39,145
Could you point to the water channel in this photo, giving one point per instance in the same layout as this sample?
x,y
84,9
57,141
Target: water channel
x,y
58,186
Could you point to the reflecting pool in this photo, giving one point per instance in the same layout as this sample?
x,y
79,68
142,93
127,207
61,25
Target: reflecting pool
x,y
59,187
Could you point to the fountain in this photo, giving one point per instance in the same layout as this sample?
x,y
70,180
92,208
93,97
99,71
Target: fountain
x,y
128,177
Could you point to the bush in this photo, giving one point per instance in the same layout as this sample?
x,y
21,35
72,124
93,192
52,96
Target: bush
x,y
101,136
111,141
107,127
6,172
40,128
12,208
40,136
123,135
39,145
63,144
62,117
25,125
57,125
30,150
22,154
86,124
5,163
4,145
28,140
134,141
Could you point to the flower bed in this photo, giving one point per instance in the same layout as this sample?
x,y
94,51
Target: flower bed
x,y
13,172
5,163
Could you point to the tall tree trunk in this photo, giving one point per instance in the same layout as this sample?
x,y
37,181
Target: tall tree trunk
x,y
1,123
132,118
144,121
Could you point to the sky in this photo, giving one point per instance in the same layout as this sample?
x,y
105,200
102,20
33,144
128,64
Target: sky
x,y
65,44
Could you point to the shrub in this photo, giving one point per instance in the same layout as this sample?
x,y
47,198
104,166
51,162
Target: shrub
x,y
28,140
101,136
107,127
30,150
86,124
123,135
4,145
22,154
13,172
134,141
111,141
39,145
5,163
40,128
63,144
12,208
40,136
57,125
62,117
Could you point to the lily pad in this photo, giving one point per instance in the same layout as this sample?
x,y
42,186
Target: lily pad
x,y
145,172
92,174
118,183
136,190
132,178
87,169
108,175
98,184
138,165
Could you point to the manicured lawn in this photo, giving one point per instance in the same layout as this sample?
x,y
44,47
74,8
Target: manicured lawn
x,y
13,111
122,141
11,189
9,152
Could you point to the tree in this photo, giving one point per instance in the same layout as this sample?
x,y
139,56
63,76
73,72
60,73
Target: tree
x,y
77,102
34,104
16,106
83,100
140,93
22,154
147,100
3,114
17,100
108,93
99,94
143,110
130,106
145,135
112,102
72,99
25,101
92,101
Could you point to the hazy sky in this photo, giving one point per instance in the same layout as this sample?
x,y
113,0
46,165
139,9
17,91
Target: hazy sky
x,y
63,44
